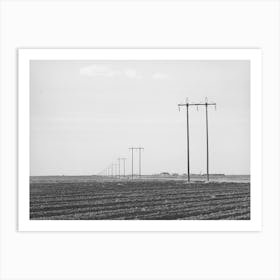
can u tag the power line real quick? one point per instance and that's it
(132, 149)
(140, 149)
(119, 162)
(123, 159)
(110, 170)
(187, 105)
(116, 169)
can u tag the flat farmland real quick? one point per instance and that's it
(147, 199)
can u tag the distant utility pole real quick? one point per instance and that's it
(132, 149)
(119, 161)
(206, 104)
(140, 149)
(109, 170)
(116, 169)
(123, 159)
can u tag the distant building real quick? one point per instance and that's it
(164, 174)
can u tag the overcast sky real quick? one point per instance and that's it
(86, 114)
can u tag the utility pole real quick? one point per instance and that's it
(119, 161)
(132, 149)
(139, 149)
(187, 104)
(123, 159)
(207, 137)
(116, 170)
(206, 104)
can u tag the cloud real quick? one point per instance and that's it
(108, 71)
(96, 70)
(99, 71)
(159, 76)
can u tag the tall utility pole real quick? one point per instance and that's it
(187, 104)
(206, 104)
(132, 149)
(207, 141)
(139, 149)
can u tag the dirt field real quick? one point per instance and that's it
(64, 199)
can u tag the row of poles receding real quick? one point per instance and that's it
(109, 171)
(114, 169)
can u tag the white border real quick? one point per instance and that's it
(253, 55)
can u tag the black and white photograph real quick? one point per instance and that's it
(140, 139)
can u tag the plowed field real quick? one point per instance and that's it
(139, 199)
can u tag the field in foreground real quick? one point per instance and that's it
(75, 199)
